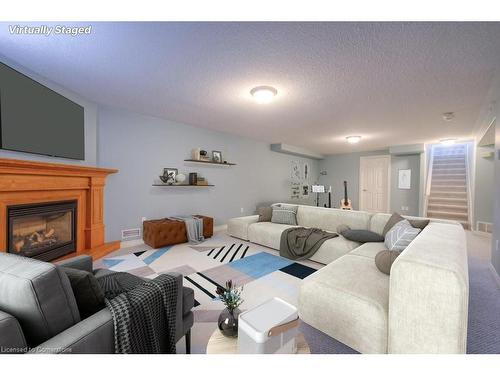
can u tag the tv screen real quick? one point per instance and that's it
(37, 120)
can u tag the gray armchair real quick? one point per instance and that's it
(38, 310)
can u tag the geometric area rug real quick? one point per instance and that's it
(260, 270)
(264, 274)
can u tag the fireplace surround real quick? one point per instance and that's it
(25, 183)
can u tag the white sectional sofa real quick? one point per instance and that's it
(422, 307)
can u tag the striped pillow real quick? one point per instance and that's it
(284, 214)
(400, 235)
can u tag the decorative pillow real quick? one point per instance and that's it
(400, 236)
(284, 214)
(396, 218)
(88, 293)
(420, 224)
(342, 227)
(265, 213)
(362, 235)
(384, 260)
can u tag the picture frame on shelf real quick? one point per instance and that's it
(169, 175)
(217, 156)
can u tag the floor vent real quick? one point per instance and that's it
(482, 226)
(131, 234)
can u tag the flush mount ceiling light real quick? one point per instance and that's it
(447, 142)
(448, 116)
(263, 94)
(353, 139)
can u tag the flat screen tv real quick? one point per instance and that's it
(36, 119)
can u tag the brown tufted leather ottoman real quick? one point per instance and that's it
(163, 232)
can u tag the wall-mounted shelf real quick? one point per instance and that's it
(182, 185)
(207, 162)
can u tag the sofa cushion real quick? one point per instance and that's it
(400, 236)
(381, 223)
(187, 300)
(88, 293)
(267, 234)
(333, 249)
(330, 218)
(284, 214)
(348, 299)
(11, 335)
(38, 294)
(369, 249)
(362, 235)
(265, 213)
(238, 226)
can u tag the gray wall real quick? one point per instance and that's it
(484, 186)
(90, 121)
(402, 197)
(141, 146)
(342, 167)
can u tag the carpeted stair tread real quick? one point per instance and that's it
(448, 200)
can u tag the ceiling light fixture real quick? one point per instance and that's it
(353, 139)
(263, 94)
(448, 116)
(447, 142)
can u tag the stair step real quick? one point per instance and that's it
(459, 170)
(446, 157)
(443, 207)
(445, 191)
(448, 215)
(448, 200)
(450, 176)
(446, 166)
(450, 183)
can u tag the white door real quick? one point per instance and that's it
(374, 185)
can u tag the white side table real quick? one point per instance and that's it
(220, 344)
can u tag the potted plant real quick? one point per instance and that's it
(228, 318)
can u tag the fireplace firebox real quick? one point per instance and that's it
(44, 231)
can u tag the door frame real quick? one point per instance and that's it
(388, 157)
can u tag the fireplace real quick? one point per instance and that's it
(44, 231)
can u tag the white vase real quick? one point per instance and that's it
(180, 178)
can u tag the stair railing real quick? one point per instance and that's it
(428, 181)
(468, 184)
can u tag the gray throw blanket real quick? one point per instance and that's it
(194, 228)
(302, 243)
(144, 316)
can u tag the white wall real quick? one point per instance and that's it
(141, 146)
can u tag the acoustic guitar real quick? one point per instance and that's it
(345, 203)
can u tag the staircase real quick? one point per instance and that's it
(448, 198)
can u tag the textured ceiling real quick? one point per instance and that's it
(388, 82)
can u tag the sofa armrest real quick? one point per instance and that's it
(12, 338)
(429, 293)
(81, 262)
(238, 226)
(90, 336)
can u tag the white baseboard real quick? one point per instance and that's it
(125, 244)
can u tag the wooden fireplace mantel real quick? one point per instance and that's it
(25, 182)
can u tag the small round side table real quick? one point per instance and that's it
(220, 344)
